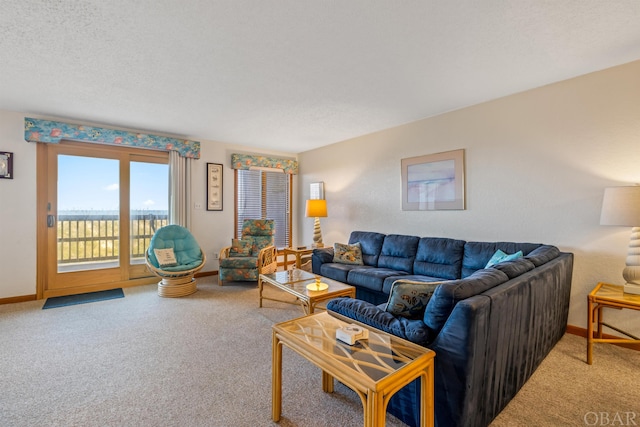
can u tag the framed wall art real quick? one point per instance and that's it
(214, 187)
(316, 190)
(6, 165)
(433, 182)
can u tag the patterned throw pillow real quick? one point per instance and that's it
(240, 248)
(166, 257)
(347, 254)
(409, 299)
(500, 256)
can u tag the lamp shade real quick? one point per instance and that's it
(316, 208)
(621, 206)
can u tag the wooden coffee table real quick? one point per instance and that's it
(374, 368)
(295, 283)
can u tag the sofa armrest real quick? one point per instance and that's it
(371, 315)
(320, 256)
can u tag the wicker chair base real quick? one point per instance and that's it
(172, 287)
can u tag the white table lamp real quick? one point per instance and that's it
(621, 206)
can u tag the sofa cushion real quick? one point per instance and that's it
(514, 268)
(409, 299)
(370, 277)
(370, 244)
(398, 252)
(369, 314)
(339, 272)
(447, 295)
(501, 256)
(477, 254)
(347, 254)
(542, 255)
(439, 257)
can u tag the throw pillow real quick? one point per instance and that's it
(347, 254)
(409, 299)
(240, 248)
(500, 256)
(166, 257)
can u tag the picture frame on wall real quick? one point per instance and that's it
(434, 182)
(6, 165)
(214, 187)
(316, 190)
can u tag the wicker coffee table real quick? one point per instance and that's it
(295, 283)
(374, 368)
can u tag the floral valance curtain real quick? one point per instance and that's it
(36, 130)
(245, 161)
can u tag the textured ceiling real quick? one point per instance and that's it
(292, 75)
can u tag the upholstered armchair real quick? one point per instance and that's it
(175, 256)
(251, 255)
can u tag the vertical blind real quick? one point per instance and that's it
(264, 195)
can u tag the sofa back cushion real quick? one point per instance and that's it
(542, 255)
(477, 254)
(439, 257)
(370, 244)
(398, 252)
(514, 268)
(447, 295)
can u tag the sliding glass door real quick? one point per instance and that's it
(100, 206)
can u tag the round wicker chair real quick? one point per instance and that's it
(176, 272)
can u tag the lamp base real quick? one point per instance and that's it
(632, 288)
(317, 245)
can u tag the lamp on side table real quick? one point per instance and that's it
(621, 206)
(316, 208)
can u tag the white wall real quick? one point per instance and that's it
(17, 211)
(212, 229)
(536, 167)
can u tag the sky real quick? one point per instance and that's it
(88, 183)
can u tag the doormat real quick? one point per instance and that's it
(83, 298)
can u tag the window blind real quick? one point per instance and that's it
(264, 195)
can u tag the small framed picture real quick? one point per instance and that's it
(6, 165)
(316, 190)
(214, 187)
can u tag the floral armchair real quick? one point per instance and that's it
(251, 255)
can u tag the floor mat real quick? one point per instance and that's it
(83, 298)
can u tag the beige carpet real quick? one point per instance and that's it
(205, 360)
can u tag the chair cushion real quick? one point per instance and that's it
(239, 262)
(370, 243)
(258, 227)
(184, 245)
(398, 252)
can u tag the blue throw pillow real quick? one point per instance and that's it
(500, 256)
(409, 299)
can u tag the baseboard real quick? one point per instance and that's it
(206, 273)
(582, 332)
(22, 298)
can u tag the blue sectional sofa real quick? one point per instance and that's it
(490, 327)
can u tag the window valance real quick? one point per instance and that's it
(36, 130)
(245, 161)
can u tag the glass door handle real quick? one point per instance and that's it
(51, 221)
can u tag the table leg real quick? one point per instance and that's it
(589, 331)
(286, 265)
(327, 382)
(427, 393)
(374, 415)
(260, 291)
(276, 379)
